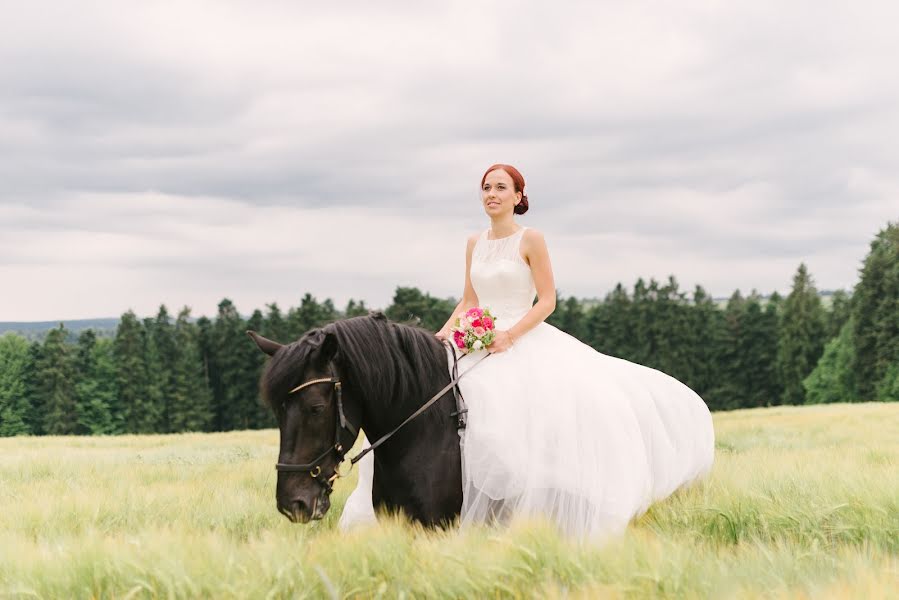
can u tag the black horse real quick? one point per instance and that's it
(365, 372)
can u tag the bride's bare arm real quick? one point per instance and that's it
(533, 246)
(469, 297)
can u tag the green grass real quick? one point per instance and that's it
(802, 502)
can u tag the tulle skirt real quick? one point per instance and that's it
(561, 431)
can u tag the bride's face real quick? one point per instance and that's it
(498, 194)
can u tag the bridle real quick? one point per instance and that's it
(314, 468)
(341, 422)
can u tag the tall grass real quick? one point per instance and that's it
(802, 502)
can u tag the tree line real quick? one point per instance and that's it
(168, 373)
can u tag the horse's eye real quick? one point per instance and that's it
(317, 409)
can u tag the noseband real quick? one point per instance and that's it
(314, 468)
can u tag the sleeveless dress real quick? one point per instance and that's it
(558, 430)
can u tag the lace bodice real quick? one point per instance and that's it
(502, 279)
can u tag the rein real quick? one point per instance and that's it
(314, 468)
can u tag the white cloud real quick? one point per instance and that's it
(156, 153)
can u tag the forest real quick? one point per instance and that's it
(173, 373)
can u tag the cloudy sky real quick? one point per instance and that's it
(182, 152)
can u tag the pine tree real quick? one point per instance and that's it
(840, 309)
(191, 406)
(156, 381)
(308, 315)
(802, 331)
(875, 311)
(274, 326)
(14, 402)
(708, 343)
(770, 386)
(213, 380)
(609, 324)
(641, 347)
(671, 325)
(731, 389)
(33, 394)
(95, 386)
(758, 346)
(56, 372)
(261, 416)
(235, 406)
(162, 371)
(356, 309)
(137, 413)
(569, 317)
(411, 305)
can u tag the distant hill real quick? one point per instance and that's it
(36, 330)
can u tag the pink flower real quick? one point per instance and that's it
(459, 338)
(479, 331)
(477, 323)
(488, 323)
(474, 312)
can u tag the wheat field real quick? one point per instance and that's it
(803, 502)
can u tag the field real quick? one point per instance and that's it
(802, 502)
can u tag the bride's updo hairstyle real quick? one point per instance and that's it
(517, 180)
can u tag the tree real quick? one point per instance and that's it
(759, 348)
(707, 342)
(95, 390)
(731, 389)
(274, 326)
(57, 377)
(840, 309)
(234, 358)
(609, 324)
(833, 379)
(641, 323)
(191, 405)
(569, 317)
(138, 414)
(308, 315)
(875, 314)
(888, 387)
(670, 328)
(33, 384)
(801, 340)
(15, 407)
(411, 305)
(357, 309)
(261, 416)
(162, 356)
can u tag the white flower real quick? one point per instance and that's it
(477, 345)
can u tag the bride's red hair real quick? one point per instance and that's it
(517, 180)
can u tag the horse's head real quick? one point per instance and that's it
(317, 423)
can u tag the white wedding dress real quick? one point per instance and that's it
(557, 429)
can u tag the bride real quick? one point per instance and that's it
(555, 429)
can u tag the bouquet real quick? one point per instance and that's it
(474, 330)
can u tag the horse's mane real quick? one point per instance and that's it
(392, 366)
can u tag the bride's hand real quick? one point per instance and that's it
(502, 342)
(443, 334)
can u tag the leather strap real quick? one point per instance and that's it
(423, 408)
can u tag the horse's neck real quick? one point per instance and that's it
(431, 429)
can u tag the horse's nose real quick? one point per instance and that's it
(296, 510)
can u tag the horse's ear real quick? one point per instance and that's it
(265, 344)
(328, 349)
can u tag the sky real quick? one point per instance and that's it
(181, 153)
